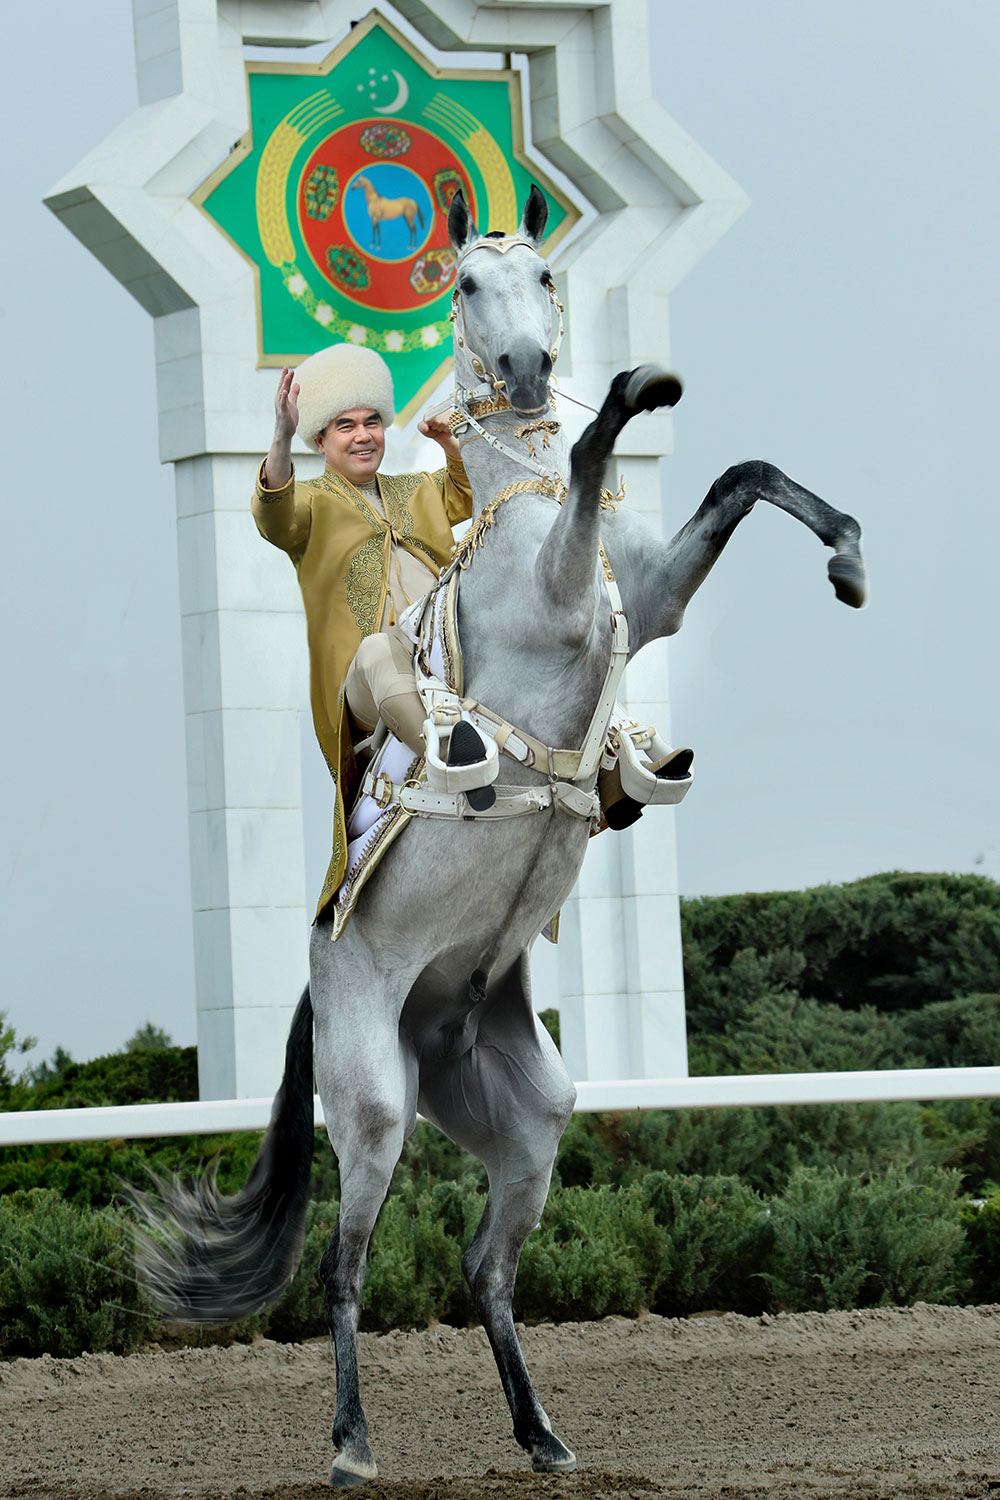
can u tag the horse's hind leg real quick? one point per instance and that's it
(507, 1101)
(367, 1082)
(342, 1272)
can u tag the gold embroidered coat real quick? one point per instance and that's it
(341, 549)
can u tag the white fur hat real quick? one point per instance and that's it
(341, 378)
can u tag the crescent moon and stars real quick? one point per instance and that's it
(372, 86)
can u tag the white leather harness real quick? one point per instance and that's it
(568, 771)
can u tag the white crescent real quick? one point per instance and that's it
(400, 99)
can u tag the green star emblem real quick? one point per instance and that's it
(338, 195)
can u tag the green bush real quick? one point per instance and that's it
(596, 1252)
(595, 1150)
(959, 1033)
(784, 1033)
(429, 1156)
(843, 1241)
(136, 1077)
(719, 1236)
(981, 1251)
(895, 941)
(67, 1279)
(415, 1270)
(763, 1146)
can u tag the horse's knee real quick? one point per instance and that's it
(752, 474)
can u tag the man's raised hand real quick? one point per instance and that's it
(439, 430)
(277, 469)
(286, 407)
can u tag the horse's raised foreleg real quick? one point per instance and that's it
(565, 566)
(690, 556)
(507, 1101)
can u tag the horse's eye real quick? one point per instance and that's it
(546, 278)
(467, 286)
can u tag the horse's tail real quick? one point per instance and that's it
(205, 1258)
(420, 216)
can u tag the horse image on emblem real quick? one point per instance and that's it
(380, 208)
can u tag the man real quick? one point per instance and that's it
(364, 546)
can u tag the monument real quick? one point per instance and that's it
(243, 205)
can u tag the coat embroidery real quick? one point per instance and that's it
(364, 585)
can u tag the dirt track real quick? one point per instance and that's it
(901, 1403)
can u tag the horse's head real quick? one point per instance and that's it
(506, 317)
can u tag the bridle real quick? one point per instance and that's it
(471, 403)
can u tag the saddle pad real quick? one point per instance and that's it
(372, 829)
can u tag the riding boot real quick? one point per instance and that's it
(466, 748)
(380, 685)
(459, 759)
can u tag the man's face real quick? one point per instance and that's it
(354, 444)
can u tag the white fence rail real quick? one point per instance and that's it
(214, 1116)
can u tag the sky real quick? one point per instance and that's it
(845, 329)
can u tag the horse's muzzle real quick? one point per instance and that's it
(525, 371)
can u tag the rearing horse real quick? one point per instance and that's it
(423, 1003)
(380, 208)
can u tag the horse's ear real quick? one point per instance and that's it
(536, 212)
(461, 229)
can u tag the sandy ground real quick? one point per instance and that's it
(900, 1402)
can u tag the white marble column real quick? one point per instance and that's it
(245, 674)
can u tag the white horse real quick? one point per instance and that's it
(423, 1003)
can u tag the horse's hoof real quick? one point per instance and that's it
(847, 574)
(651, 386)
(350, 1470)
(550, 1456)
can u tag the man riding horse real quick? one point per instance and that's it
(365, 545)
(424, 1001)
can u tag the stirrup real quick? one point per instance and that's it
(651, 781)
(445, 778)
